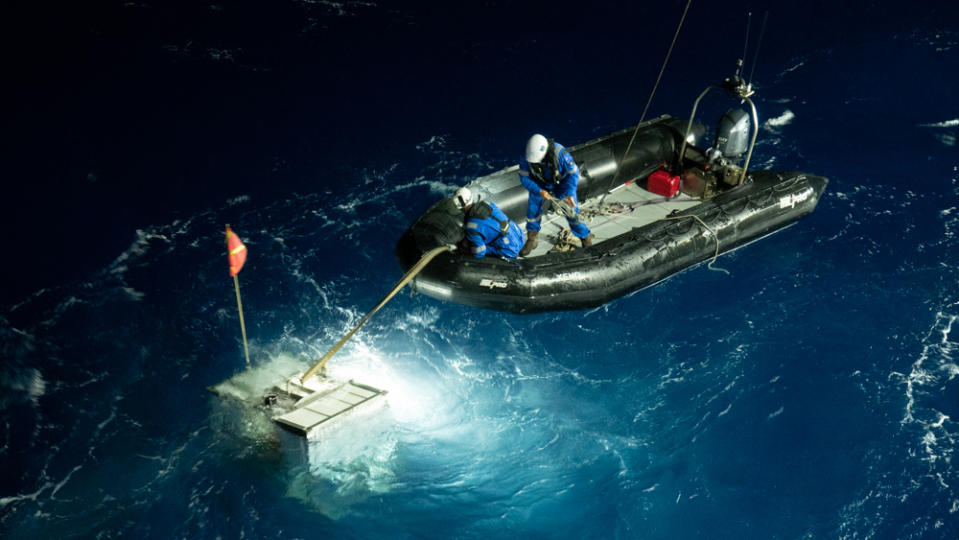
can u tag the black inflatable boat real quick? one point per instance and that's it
(657, 202)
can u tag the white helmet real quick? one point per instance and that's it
(536, 148)
(463, 198)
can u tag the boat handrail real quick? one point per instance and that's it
(741, 93)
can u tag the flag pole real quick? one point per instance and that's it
(239, 308)
(237, 256)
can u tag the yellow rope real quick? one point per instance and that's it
(410, 274)
(715, 237)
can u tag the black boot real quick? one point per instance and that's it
(532, 240)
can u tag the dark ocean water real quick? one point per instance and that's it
(811, 393)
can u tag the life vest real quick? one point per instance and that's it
(537, 171)
(483, 211)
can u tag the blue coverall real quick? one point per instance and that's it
(487, 236)
(569, 179)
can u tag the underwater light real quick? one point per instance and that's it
(407, 397)
(364, 382)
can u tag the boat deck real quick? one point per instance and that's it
(618, 212)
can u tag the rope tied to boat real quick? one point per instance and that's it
(410, 274)
(711, 231)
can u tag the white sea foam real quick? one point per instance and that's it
(226, 55)
(340, 9)
(434, 143)
(4, 501)
(141, 246)
(936, 436)
(919, 375)
(951, 369)
(944, 124)
(435, 187)
(133, 294)
(37, 387)
(63, 482)
(948, 139)
(794, 67)
(783, 119)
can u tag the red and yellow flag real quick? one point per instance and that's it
(236, 250)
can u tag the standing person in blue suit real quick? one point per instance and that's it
(489, 233)
(548, 171)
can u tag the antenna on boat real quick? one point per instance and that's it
(737, 88)
(759, 42)
(749, 21)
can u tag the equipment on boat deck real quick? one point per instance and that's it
(732, 137)
(657, 202)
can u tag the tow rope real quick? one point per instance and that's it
(416, 269)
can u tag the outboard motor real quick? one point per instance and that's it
(732, 136)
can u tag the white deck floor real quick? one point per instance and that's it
(609, 226)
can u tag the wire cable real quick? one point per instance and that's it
(653, 93)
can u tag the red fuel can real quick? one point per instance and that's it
(662, 183)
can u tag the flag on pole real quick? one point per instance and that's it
(236, 250)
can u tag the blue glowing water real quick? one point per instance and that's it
(811, 393)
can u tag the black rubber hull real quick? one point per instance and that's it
(590, 277)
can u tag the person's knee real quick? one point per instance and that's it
(534, 214)
(579, 230)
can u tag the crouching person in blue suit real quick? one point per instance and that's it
(489, 233)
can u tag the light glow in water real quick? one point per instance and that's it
(413, 397)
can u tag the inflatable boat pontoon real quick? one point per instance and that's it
(657, 202)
